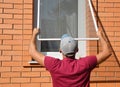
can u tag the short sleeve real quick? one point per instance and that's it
(91, 62)
(51, 63)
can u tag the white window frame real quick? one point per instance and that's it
(81, 24)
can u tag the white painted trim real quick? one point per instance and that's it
(38, 15)
(93, 16)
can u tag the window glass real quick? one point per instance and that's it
(57, 18)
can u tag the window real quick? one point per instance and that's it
(58, 17)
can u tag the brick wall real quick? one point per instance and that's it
(15, 33)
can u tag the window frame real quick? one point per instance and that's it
(58, 39)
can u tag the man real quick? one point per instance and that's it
(70, 72)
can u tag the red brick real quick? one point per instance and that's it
(117, 43)
(0, 63)
(22, 69)
(13, 1)
(6, 5)
(101, 9)
(106, 5)
(6, 16)
(25, 47)
(93, 85)
(40, 79)
(5, 25)
(12, 52)
(45, 74)
(28, 1)
(17, 58)
(3, 47)
(14, 11)
(10, 74)
(5, 58)
(38, 69)
(27, 58)
(26, 42)
(27, 37)
(112, 29)
(1, 10)
(27, 27)
(28, 21)
(27, 31)
(1, 21)
(5, 69)
(117, 34)
(118, 74)
(28, 6)
(20, 80)
(18, 6)
(12, 42)
(17, 37)
(18, 16)
(97, 78)
(9, 85)
(112, 1)
(109, 74)
(116, 5)
(30, 74)
(46, 85)
(28, 11)
(17, 26)
(6, 37)
(27, 16)
(105, 14)
(108, 24)
(12, 21)
(17, 48)
(100, 69)
(31, 85)
(117, 24)
(106, 85)
(118, 84)
(112, 10)
(110, 64)
(117, 15)
(25, 52)
(0, 41)
(4, 80)
(11, 64)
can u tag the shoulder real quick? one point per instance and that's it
(89, 61)
(51, 62)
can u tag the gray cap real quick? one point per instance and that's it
(68, 44)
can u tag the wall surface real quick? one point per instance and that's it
(15, 33)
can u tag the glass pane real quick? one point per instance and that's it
(57, 18)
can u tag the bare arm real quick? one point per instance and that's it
(106, 52)
(38, 56)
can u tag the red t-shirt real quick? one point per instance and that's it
(70, 72)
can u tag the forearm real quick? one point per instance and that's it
(105, 45)
(106, 51)
(35, 54)
(33, 43)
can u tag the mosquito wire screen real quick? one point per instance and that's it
(58, 17)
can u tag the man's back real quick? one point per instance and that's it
(70, 72)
